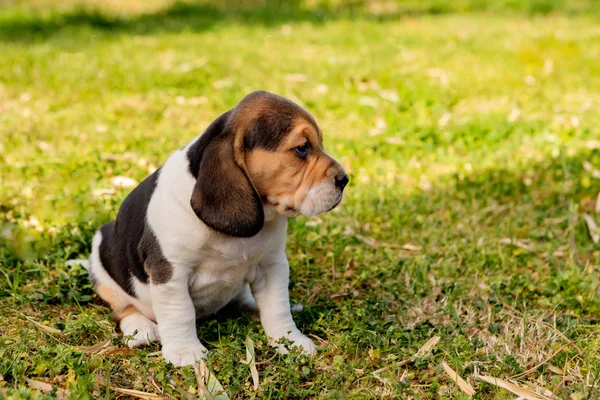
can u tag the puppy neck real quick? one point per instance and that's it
(270, 212)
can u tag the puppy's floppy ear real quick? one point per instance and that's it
(224, 198)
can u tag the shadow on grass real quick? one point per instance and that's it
(179, 17)
(22, 24)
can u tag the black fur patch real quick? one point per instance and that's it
(156, 264)
(223, 196)
(119, 250)
(275, 122)
(267, 132)
(196, 150)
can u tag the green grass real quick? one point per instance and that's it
(461, 125)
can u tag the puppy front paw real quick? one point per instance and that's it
(301, 341)
(139, 330)
(182, 355)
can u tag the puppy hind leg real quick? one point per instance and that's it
(137, 328)
(132, 322)
(247, 302)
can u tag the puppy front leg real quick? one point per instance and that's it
(176, 319)
(271, 293)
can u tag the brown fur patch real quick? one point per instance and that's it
(118, 305)
(127, 311)
(108, 295)
(282, 177)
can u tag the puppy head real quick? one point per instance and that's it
(267, 150)
(285, 157)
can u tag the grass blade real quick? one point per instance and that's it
(462, 384)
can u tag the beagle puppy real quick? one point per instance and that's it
(209, 227)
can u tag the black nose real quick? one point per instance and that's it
(341, 180)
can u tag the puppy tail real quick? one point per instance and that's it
(84, 263)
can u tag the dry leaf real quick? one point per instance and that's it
(251, 360)
(592, 227)
(514, 115)
(84, 263)
(213, 388)
(427, 347)
(42, 326)
(222, 83)
(410, 247)
(372, 242)
(296, 77)
(593, 144)
(556, 370)
(511, 387)
(440, 74)
(123, 182)
(516, 243)
(395, 141)
(464, 386)
(444, 119)
(46, 387)
(96, 348)
(598, 204)
(138, 393)
(589, 167)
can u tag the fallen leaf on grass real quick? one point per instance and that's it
(555, 369)
(427, 347)
(590, 168)
(592, 227)
(46, 387)
(422, 352)
(103, 347)
(296, 77)
(208, 383)
(462, 384)
(138, 393)
(42, 326)
(84, 263)
(251, 361)
(123, 182)
(187, 394)
(593, 144)
(410, 247)
(372, 242)
(511, 387)
(516, 243)
(103, 192)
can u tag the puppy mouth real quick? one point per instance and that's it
(337, 202)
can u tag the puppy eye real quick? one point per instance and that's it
(302, 151)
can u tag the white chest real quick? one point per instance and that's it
(222, 272)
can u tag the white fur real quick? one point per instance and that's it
(140, 329)
(209, 270)
(321, 198)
